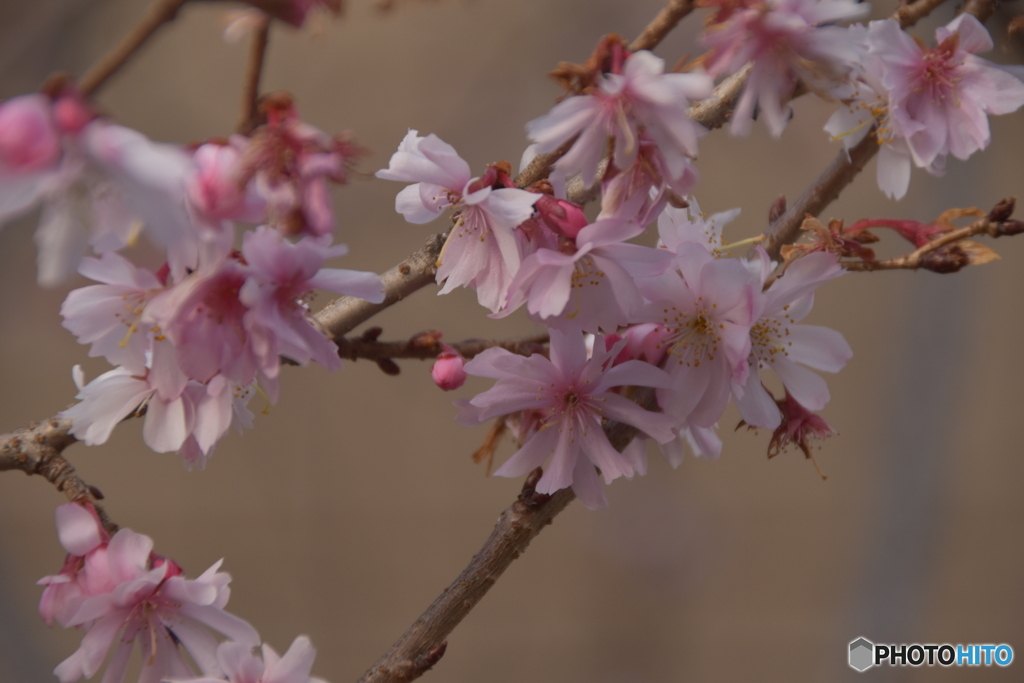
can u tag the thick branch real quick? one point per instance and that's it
(426, 347)
(825, 190)
(247, 120)
(517, 526)
(160, 12)
(37, 449)
(345, 313)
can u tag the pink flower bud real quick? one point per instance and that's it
(448, 372)
(561, 216)
(216, 187)
(28, 138)
(72, 113)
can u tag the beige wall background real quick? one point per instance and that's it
(354, 502)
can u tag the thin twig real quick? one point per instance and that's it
(160, 12)
(666, 20)
(918, 258)
(247, 120)
(37, 449)
(517, 526)
(427, 346)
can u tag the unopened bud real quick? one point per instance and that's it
(28, 138)
(561, 216)
(448, 370)
(1003, 210)
(948, 259)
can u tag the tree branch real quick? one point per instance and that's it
(345, 313)
(160, 12)
(37, 449)
(247, 120)
(662, 25)
(426, 346)
(517, 526)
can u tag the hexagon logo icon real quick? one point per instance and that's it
(862, 653)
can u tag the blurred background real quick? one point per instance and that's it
(353, 503)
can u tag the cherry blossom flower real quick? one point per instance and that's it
(216, 188)
(866, 104)
(798, 426)
(279, 276)
(641, 100)
(129, 593)
(240, 665)
(590, 283)
(482, 250)
(708, 306)
(779, 342)
(571, 395)
(786, 44)
(690, 225)
(641, 191)
(939, 98)
(108, 316)
(290, 162)
(80, 533)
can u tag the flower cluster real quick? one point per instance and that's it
(120, 592)
(683, 319)
(924, 103)
(191, 339)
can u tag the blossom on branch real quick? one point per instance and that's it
(126, 593)
(636, 101)
(787, 43)
(240, 665)
(927, 102)
(482, 250)
(569, 396)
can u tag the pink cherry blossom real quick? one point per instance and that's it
(786, 43)
(108, 316)
(940, 97)
(216, 188)
(707, 306)
(290, 162)
(866, 104)
(590, 282)
(571, 395)
(642, 99)
(280, 275)
(129, 593)
(80, 532)
(240, 665)
(779, 342)
(482, 250)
